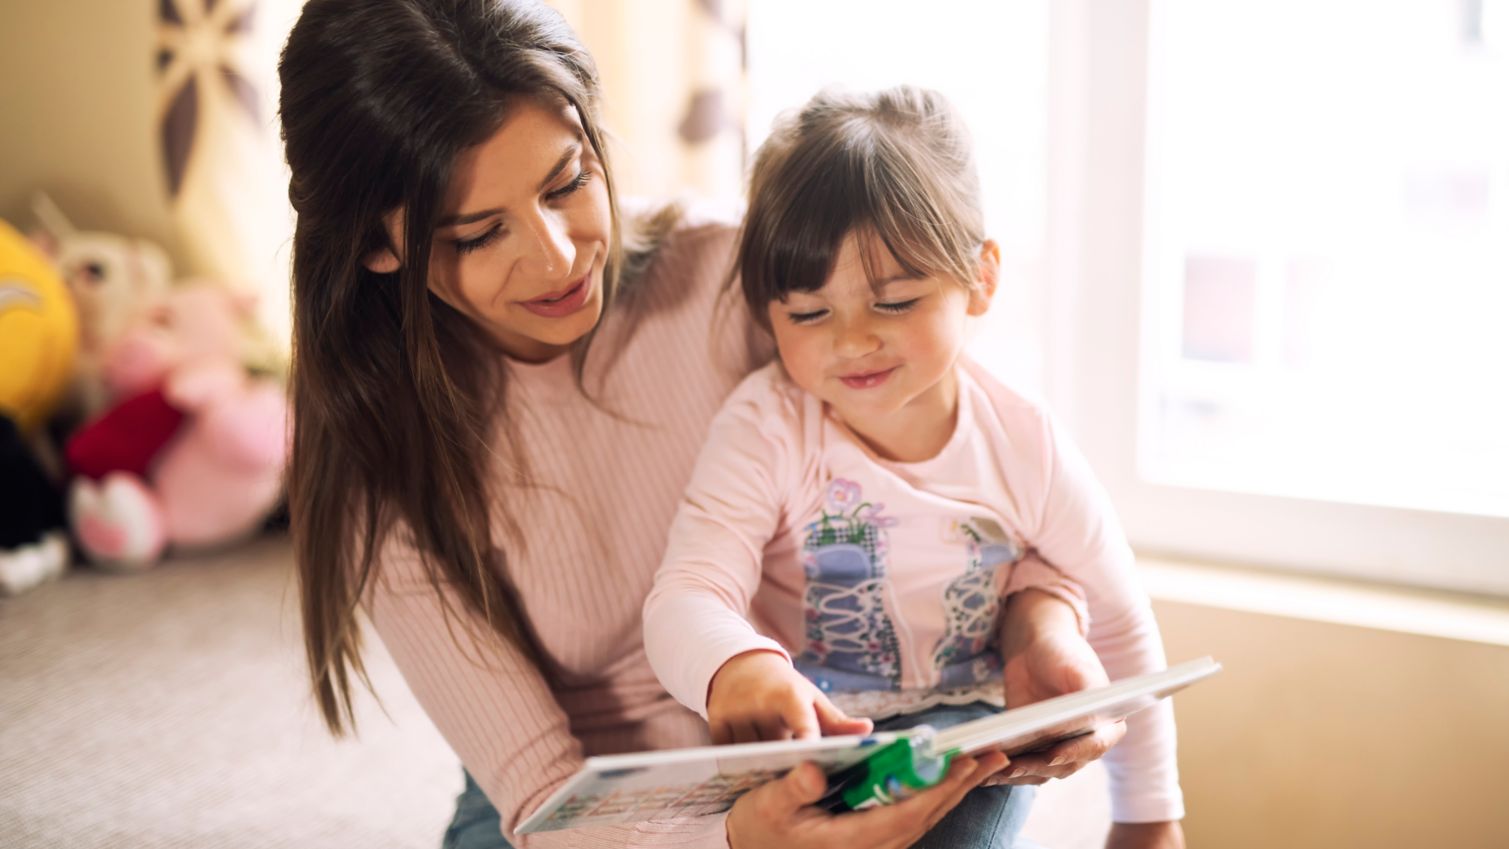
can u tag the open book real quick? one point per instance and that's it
(708, 779)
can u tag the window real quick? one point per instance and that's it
(1279, 253)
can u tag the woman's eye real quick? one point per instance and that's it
(806, 317)
(466, 246)
(570, 188)
(897, 307)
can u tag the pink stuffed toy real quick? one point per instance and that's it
(192, 453)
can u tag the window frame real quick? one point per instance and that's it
(1103, 159)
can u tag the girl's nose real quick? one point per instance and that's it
(855, 339)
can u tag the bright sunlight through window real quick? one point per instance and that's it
(1329, 252)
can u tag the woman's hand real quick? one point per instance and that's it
(779, 813)
(757, 695)
(1046, 656)
(1145, 835)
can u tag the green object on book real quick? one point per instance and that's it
(896, 771)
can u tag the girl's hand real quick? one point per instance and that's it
(778, 814)
(759, 696)
(1046, 656)
(1145, 835)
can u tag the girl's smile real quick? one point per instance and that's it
(867, 379)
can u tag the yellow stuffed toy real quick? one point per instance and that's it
(39, 332)
(38, 338)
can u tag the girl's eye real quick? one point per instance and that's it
(806, 317)
(570, 188)
(466, 246)
(897, 307)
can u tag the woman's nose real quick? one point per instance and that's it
(554, 252)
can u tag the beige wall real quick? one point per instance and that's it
(650, 55)
(80, 107)
(1324, 735)
(83, 103)
(80, 119)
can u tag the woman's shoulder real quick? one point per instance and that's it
(680, 244)
(682, 215)
(678, 282)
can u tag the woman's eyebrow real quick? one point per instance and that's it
(572, 150)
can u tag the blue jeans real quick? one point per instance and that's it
(988, 818)
(476, 824)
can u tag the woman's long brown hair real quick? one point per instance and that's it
(396, 396)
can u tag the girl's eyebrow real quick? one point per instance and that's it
(572, 150)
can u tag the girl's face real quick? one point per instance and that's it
(882, 356)
(524, 233)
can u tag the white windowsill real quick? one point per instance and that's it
(1413, 611)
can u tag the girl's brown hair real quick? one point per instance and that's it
(896, 165)
(395, 394)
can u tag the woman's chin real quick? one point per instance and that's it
(544, 339)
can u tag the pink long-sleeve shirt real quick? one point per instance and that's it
(880, 580)
(606, 478)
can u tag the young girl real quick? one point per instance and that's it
(869, 500)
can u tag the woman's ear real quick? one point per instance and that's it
(987, 276)
(381, 261)
(384, 260)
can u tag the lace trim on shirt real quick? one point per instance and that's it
(884, 704)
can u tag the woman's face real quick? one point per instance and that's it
(524, 231)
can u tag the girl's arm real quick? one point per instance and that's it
(1078, 531)
(697, 638)
(694, 617)
(1068, 519)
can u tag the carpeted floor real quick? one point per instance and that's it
(168, 709)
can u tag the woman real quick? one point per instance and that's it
(498, 398)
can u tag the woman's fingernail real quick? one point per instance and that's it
(1059, 761)
(1018, 772)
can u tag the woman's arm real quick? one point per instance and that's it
(1046, 656)
(497, 711)
(779, 814)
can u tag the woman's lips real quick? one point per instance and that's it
(867, 379)
(562, 303)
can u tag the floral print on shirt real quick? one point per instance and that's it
(851, 640)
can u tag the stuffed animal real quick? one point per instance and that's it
(38, 335)
(192, 453)
(111, 278)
